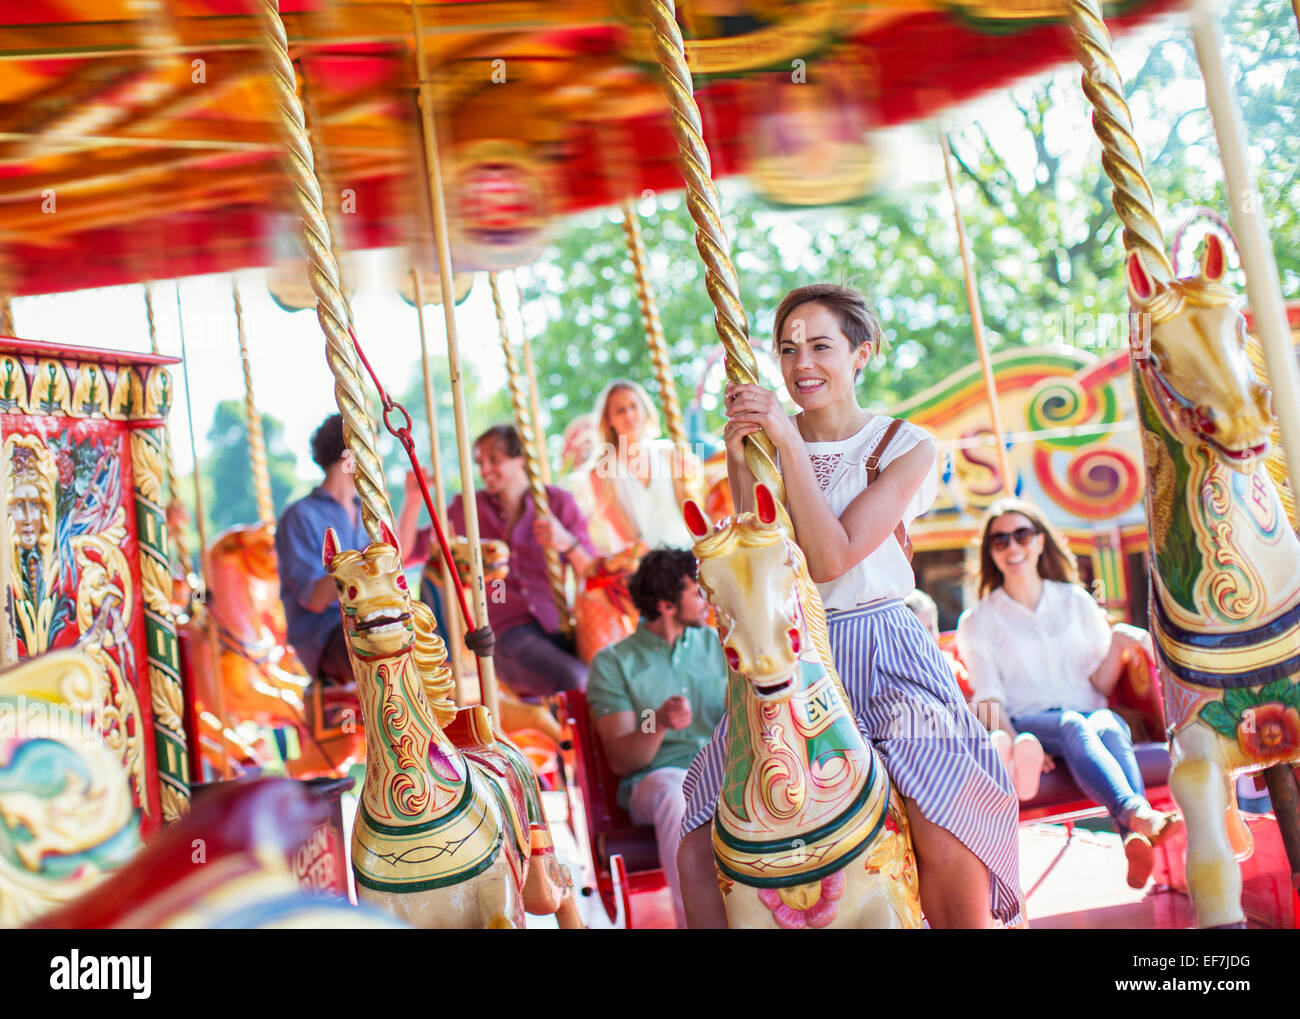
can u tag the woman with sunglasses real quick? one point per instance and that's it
(1043, 658)
(959, 800)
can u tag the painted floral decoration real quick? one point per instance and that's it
(1265, 722)
(810, 905)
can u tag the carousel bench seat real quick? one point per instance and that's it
(1058, 794)
(1137, 699)
(610, 830)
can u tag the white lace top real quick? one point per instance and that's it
(1035, 659)
(841, 471)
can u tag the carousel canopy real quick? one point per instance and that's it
(138, 139)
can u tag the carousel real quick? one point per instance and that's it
(150, 695)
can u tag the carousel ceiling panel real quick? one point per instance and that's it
(138, 137)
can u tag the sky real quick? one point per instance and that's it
(290, 377)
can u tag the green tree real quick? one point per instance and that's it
(228, 492)
(1045, 237)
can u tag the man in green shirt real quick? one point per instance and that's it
(657, 696)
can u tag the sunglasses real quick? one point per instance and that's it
(1000, 542)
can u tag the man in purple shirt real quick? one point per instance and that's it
(534, 658)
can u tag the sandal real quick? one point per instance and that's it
(1141, 859)
(1027, 767)
(1170, 824)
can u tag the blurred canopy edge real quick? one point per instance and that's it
(137, 141)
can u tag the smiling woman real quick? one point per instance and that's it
(851, 479)
(1042, 660)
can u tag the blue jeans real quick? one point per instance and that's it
(1098, 750)
(534, 663)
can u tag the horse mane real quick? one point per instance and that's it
(745, 530)
(430, 657)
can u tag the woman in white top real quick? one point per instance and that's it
(638, 481)
(1043, 659)
(959, 799)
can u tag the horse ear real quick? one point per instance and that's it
(331, 548)
(386, 533)
(696, 522)
(764, 503)
(1213, 262)
(1141, 287)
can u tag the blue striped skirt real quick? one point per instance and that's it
(935, 750)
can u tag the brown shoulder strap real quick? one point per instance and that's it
(872, 464)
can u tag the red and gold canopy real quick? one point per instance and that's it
(137, 138)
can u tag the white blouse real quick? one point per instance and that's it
(1033, 660)
(652, 506)
(842, 474)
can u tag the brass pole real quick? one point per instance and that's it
(253, 422)
(1120, 156)
(331, 307)
(324, 175)
(977, 323)
(451, 604)
(6, 316)
(169, 461)
(210, 630)
(1262, 286)
(534, 401)
(536, 490)
(654, 330)
(438, 212)
(710, 235)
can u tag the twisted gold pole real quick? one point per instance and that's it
(530, 372)
(331, 307)
(710, 236)
(323, 174)
(442, 245)
(6, 316)
(169, 463)
(1121, 158)
(654, 330)
(253, 421)
(451, 603)
(536, 490)
(977, 324)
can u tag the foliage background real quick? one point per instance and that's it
(1046, 244)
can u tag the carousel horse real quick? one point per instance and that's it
(262, 683)
(603, 611)
(809, 831)
(1226, 564)
(450, 830)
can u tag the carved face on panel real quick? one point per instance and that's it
(31, 480)
(27, 512)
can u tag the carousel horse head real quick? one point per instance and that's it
(250, 548)
(377, 617)
(1198, 363)
(752, 573)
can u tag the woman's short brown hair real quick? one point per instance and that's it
(1056, 563)
(857, 321)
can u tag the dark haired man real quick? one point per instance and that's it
(309, 595)
(657, 696)
(533, 656)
